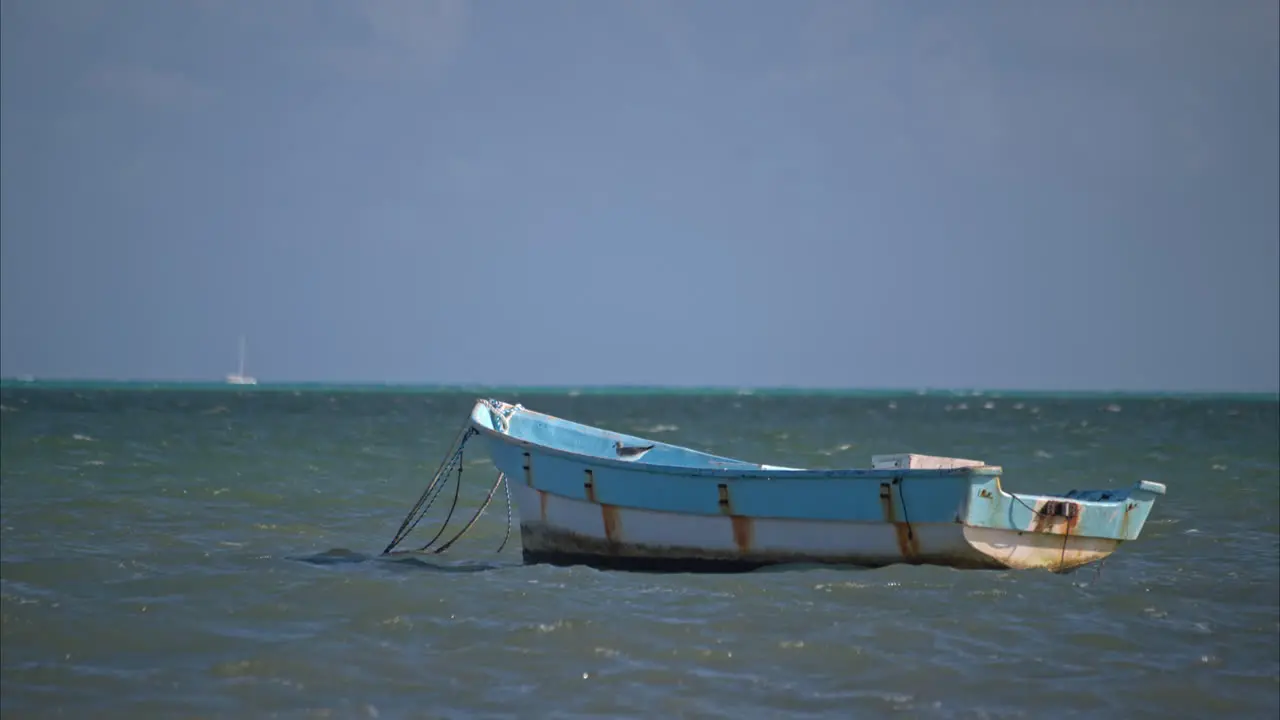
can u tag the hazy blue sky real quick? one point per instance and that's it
(1019, 194)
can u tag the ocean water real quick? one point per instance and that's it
(184, 553)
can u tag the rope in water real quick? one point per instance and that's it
(453, 461)
(472, 521)
(457, 492)
(429, 495)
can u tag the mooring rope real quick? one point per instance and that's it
(1066, 536)
(1062, 559)
(473, 519)
(428, 496)
(506, 486)
(454, 459)
(457, 492)
(1025, 505)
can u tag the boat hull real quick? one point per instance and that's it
(1025, 550)
(591, 497)
(565, 531)
(562, 531)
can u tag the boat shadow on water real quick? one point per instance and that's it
(410, 561)
(405, 561)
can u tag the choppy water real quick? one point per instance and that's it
(213, 554)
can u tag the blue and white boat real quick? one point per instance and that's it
(589, 496)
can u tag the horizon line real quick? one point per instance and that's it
(607, 388)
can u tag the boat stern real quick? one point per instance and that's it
(1056, 532)
(1134, 506)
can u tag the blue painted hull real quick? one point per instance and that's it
(590, 496)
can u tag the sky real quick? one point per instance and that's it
(1012, 194)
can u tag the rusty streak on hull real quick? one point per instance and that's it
(1124, 521)
(612, 525)
(553, 546)
(743, 532)
(1029, 550)
(908, 545)
(1055, 517)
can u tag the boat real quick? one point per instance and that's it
(589, 496)
(238, 377)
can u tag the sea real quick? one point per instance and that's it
(215, 552)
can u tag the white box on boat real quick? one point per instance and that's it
(912, 461)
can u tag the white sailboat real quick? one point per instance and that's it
(239, 378)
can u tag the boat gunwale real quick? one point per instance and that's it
(745, 473)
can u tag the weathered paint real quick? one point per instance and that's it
(679, 505)
(580, 532)
(908, 546)
(743, 531)
(611, 519)
(1107, 514)
(1023, 550)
